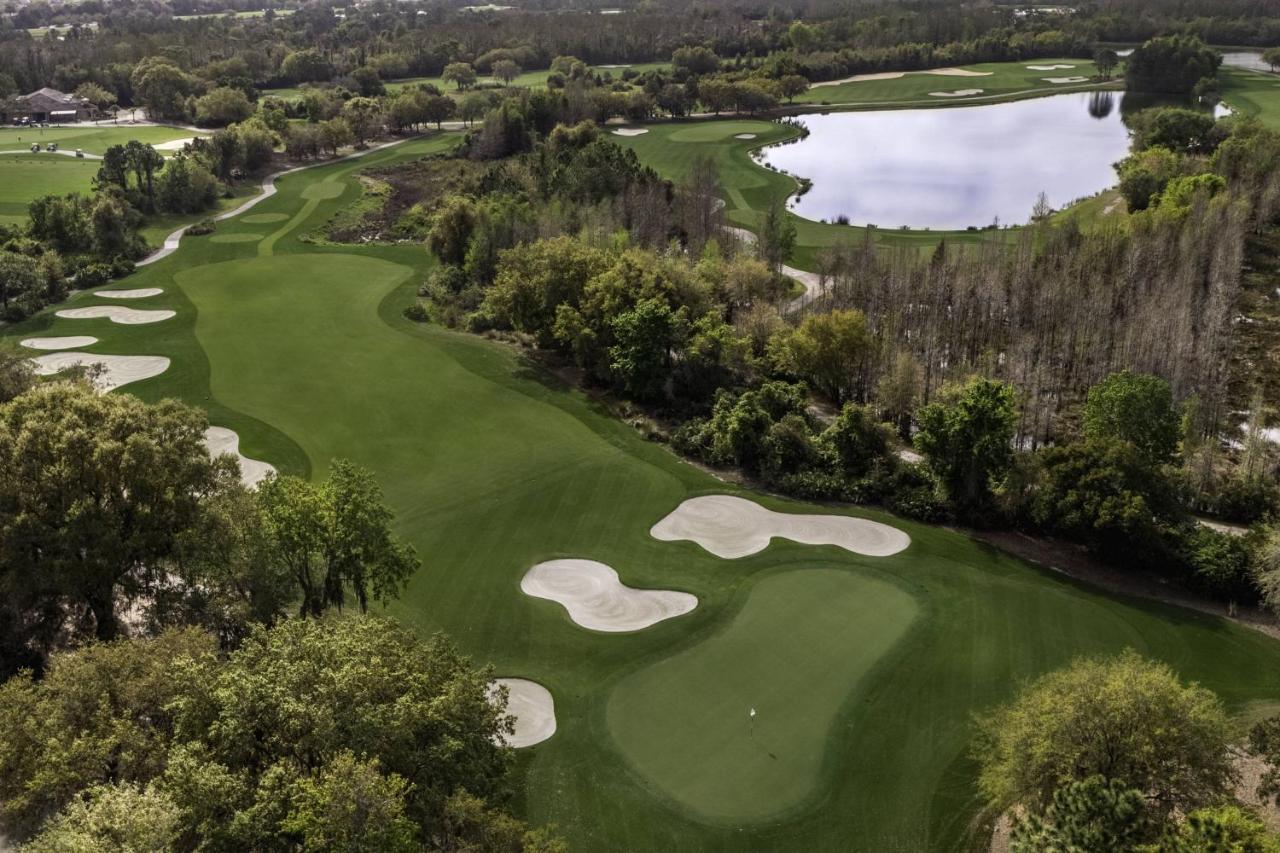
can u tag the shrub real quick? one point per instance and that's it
(204, 226)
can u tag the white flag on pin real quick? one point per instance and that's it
(753, 712)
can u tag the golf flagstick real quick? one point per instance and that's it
(752, 728)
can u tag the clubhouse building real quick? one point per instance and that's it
(47, 105)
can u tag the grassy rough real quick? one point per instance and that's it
(492, 466)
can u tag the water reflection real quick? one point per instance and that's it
(1101, 104)
(955, 167)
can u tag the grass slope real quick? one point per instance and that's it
(491, 466)
(1253, 93)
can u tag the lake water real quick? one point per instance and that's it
(954, 167)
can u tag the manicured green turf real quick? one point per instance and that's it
(789, 656)
(26, 177)
(998, 80)
(492, 466)
(1252, 93)
(94, 139)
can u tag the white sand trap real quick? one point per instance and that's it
(1065, 79)
(732, 527)
(630, 131)
(861, 78)
(64, 342)
(174, 144)
(958, 93)
(533, 708)
(894, 75)
(140, 293)
(116, 370)
(744, 136)
(117, 314)
(956, 72)
(221, 440)
(597, 599)
(1048, 67)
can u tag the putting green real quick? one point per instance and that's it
(794, 653)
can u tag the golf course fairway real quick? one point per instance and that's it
(865, 671)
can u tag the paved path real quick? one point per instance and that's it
(268, 189)
(71, 153)
(811, 281)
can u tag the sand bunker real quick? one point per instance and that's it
(1048, 67)
(114, 370)
(894, 75)
(64, 342)
(732, 527)
(221, 440)
(958, 93)
(744, 136)
(630, 131)
(597, 599)
(174, 144)
(116, 314)
(140, 293)
(1065, 79)
(533, 708)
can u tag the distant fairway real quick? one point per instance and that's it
(525, 80)
(1252, 93)
(26, 177)
(865, 671)
(998, 79)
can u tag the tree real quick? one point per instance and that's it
(364, 116)
(96, 95)
(967, 439)
(257, 142)
(858, 439)
(1180, 130)
(97, 533)
(99, 715)
(777, 238)
(792, 85)
(19, 284)
(645, 338)
(1137, 408)
(333, 537)
(1145, 174)
(222, 106)
(472, 106)
(368, 83)
(348, 734)
(829, 351)
(439, 108)
(460, 74)
(306, 66)
(1090, 814)
(1125, 719)
(451, 228)
(335, 133)
(1271, 56)
(696, 60)
(185, 186)
(1105, 60)
(1105, 493)
(716, 94)
(506, 71)
(161, 87)
(351, 805)
(113, 819)
(1173, 64)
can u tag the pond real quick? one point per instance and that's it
(955, 167)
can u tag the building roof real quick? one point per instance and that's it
(53, 95)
